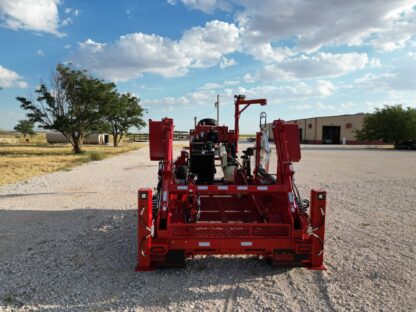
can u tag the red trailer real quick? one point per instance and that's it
(213, 200)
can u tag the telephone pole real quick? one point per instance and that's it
(217, 105)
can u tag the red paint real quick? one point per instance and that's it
(246, 217)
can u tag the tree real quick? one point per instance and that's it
(70, 105)
(25, 127)
(390, 124)
(120, 113)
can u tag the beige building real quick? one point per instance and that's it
(330, 129)
(94, 138)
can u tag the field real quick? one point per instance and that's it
(22, 160)
(68, 242)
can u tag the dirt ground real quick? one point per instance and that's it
(68, 243)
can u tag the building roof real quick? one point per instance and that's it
(331, 116)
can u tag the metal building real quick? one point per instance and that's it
(330, 129)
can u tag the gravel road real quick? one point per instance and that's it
(68, 243)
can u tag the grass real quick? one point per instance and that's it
(245, 136)
(24, 160)
(95, 156)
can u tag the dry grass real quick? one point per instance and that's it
(22, 161)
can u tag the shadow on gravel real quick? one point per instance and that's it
(355, 149)
(83, 260)
(44, 194)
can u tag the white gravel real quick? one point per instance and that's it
(68, 243)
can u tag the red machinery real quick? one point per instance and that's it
(199, 210)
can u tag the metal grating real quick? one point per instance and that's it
(271, 230)
(228, 230)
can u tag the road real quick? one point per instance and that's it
(68, 243)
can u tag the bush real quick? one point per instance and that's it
(95, 156)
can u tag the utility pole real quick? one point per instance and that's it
(217, 105)
(195, 122)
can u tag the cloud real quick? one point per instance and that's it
(385, 25)
(323, 65)
(224, 63)
(285, 36)
(211, 86)
(318, 65)
(296, 90)
(231, 82)
(134, 54)
(249, 78)
(11, 79)
(400, 76)
(293, 91)
(325, 107)
(375, 63)
(39, 16)
(40, 53)
(207, 6)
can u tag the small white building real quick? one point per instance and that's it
(54, 137)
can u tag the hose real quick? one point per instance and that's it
(150, 230)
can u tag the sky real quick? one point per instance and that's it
(307, 57)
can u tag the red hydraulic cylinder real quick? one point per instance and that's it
(318, 214)
(144, 229)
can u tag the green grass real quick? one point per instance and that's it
(95, 156)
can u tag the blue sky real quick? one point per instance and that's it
(308, 58)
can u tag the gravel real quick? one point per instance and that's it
(68, 243)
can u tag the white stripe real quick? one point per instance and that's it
(242, 188)
(246, 244)
(262, 188)
(222, 187)
(182, 187)
(204, 244)
(165, 195)
(290, 194)
(202, 187)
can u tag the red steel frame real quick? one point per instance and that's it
(248, 217)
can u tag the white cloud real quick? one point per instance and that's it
(296, 90)
(249, 78)
(201, 101)
(375, 63)
(384, 25)
(39, 16)
(326, 88)
(11, 79)
(66, 21)
(324, 65)
(400, 76)
(301, 107)
(211, 86)
(325, 107)
(231, 82)
(348, 105)
(313, 24)
(318, 65)
(40, 53)
(207, 6)
(138, 53)
(225, 62)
